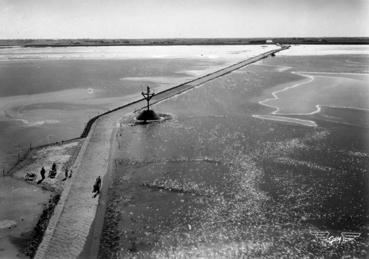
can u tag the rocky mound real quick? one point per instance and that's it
(148, 115)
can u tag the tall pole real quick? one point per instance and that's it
(147, 97)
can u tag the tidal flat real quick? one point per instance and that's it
(49, 94)
(214, 181)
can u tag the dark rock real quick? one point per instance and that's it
(147, 115)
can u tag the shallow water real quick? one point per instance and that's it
(326, 50)
(227, 177)
(327, 80)
(337, 91)
(48, 94)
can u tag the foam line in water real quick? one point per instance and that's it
(308, 80)
(308, 123)
(346, 107)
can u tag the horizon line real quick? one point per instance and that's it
(199, 38)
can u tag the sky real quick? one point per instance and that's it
(21, 19)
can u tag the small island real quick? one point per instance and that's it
(147, 114)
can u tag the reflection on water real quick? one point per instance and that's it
(268, 182)
(324, 50)
(131, 52)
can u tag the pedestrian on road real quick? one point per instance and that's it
(53, 167)
(42, 173)
(97, 186)
(65, 174)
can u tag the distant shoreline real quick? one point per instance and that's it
(180, 42)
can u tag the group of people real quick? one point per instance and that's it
(52, 173)
(68, 174)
